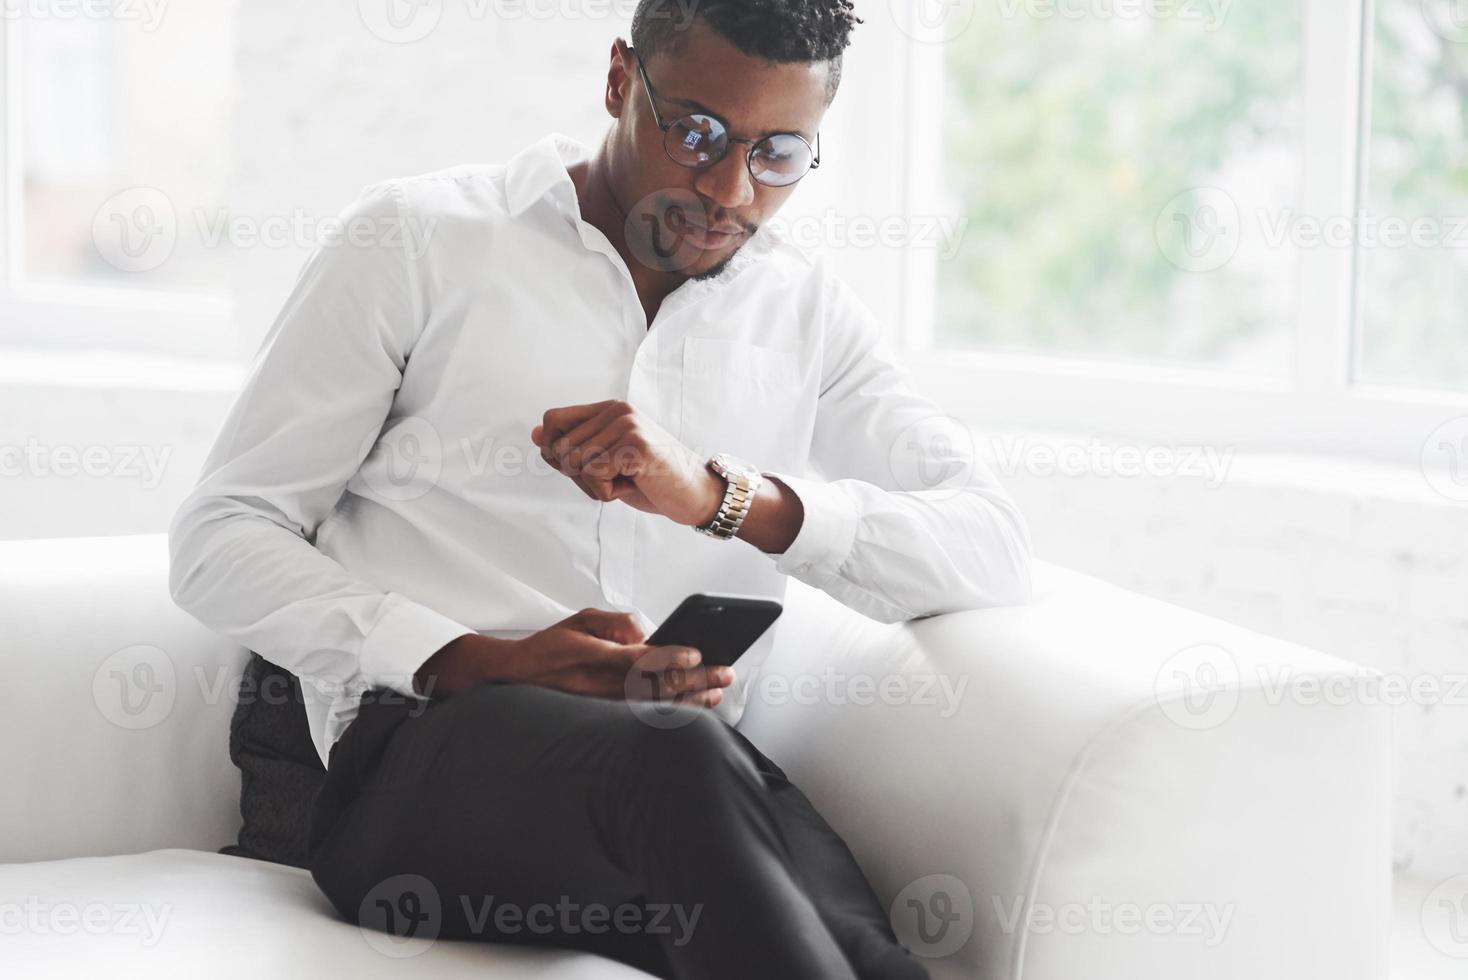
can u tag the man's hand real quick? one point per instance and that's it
(613, 452)
(594, 652)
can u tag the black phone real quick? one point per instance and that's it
(722, 627)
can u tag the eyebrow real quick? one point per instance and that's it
(700, 107)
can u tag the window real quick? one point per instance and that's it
(1414, 248)
(1105, 163)
(1242, 222)
(112, 161)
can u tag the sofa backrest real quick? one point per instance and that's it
(115, 705)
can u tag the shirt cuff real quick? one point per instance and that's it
(826, 536)
(402, 641)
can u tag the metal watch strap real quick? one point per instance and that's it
(739, 494)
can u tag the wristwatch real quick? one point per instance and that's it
(743, 481)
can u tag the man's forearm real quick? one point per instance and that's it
(460, 664)
(774, 517)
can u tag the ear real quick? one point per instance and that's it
(618, 80)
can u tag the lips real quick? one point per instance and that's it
(701, 235)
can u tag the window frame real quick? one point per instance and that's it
(1319, 406)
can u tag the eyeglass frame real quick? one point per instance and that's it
(815, 161)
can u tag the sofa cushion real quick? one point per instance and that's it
(184, 913)
(280, 772)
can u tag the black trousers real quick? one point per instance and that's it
(519, 814)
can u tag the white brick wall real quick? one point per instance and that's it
(1367, 564)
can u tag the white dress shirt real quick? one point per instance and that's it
(374, 492)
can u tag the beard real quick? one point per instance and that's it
(718, 267)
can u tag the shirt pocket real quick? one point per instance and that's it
(747, 400)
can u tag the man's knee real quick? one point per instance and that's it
(683, 745)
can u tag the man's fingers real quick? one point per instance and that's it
(680, 680)
(675, 683)
(608, 624)
(706, 699)
(585, 430)
(663, 657)
(605, 443)
(558, 421)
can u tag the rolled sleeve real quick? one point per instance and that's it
(826, 536)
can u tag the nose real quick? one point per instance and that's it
(728, 182)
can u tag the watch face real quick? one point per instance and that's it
(733, 464)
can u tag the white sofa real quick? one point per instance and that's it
(1073, 771)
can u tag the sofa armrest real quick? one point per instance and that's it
(117, 705)
(1095, 785)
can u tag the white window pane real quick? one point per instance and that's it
(124, 145)
(1414, 238)
(1124, 177)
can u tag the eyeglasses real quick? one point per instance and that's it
(699, 140)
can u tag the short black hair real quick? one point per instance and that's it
(782, 31)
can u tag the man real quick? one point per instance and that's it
(450, 445)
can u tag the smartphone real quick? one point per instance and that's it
(721, 627)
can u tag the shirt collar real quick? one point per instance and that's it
(540, 170)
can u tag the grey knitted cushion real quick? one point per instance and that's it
(280, 771)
